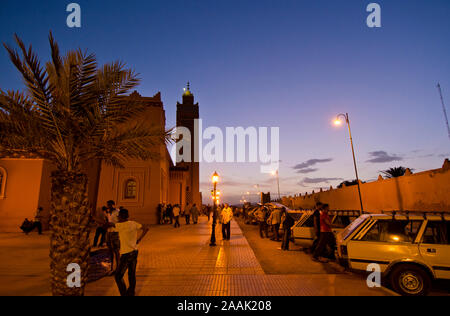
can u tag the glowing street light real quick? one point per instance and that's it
(215, 180)
(338, 122)
(276, 173)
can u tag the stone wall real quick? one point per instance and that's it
(425, 191)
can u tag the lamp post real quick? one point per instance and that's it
(276, 173)
(338, 122)
(215, 180)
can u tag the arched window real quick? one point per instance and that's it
(3, 176)
(130, 189)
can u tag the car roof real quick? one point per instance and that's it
(414, 216)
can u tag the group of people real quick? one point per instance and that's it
(122, 237)
(170, 214)
(271, 220)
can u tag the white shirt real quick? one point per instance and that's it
(128, 233)
(227, 215)
(113, 218)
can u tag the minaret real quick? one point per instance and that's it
(187, 113)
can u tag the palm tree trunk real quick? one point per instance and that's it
(69, 224)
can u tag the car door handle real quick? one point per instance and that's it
(430, 250)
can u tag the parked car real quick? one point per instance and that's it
(303, 230)
(412, 250)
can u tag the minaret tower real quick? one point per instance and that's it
(187, 114)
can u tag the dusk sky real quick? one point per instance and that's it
(288, 64)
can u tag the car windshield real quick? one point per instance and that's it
(351, 228)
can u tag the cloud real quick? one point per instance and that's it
(311, 163)
(307, 170)
(318, 180)
(382, 156)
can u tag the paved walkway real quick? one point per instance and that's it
(179, 262)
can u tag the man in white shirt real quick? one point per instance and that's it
(226, 216)
(128, 234)
(176, 215)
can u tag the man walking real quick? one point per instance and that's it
(316, 217)
(112, 236)
(128, 234)
(226, 216)
(276, 222)
(327, 238)
(176, 215)
(195, 213)
(101, 229)
(261, 216)
(187, 214)
(287, 225)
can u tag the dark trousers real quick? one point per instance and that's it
(315, 242)
(263, 229)
(113, 243)
(177, 221)
(226, 231)
(327, 239)
(188, 219)
(286, 239)
(38, 225)
(276, 232)
(100, 232)
(128, 262)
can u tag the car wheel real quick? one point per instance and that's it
(410, 280)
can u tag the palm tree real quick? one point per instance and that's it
(73, 112)
(394, 172)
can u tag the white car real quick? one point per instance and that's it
(411, 250)
(303, 230)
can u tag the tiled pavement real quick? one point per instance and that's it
(180, 262)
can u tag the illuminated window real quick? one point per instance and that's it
(130, 189)
(3, 176)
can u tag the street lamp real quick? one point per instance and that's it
(338, 122)
(276, 173)
(215, 180)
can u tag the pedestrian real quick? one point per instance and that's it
(261, 216)
(316, 219)
(276, 222)
(168, 216)
(160, 212)
(226, 216)
(187, 214)
(209, 211)
(112, 236)
(128, 235)
(287, 226)
(195, 213)
(37, 220)
(327, 239)
(102, 228)
(176, 215)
